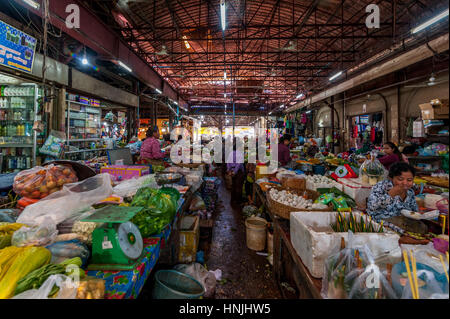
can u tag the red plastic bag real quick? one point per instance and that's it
(39, 182)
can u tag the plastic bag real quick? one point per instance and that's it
(41, 235)
(6, 218)
(162, 202)
(67, 203)
(130, 187)
(430, 282)
(68, 249)
(372, 171)
(6, 232)
(337, 266)
(67, 289)
(203, 276)
(11, 213)
(54, 145)
(91, 288)
(39, 182)
(197, 203)
(369, 282)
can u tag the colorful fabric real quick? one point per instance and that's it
(128, 284)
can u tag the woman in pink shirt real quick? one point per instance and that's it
(151, 148)
(392, 156)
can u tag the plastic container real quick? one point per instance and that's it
(172, 284)
(319, 169)
(256, 233)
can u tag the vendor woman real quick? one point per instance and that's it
(151, 148)
(390, 196)
(392, 155)
(284, 152)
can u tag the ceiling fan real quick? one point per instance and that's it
(292, 47)
(431, 82)
(163, 51)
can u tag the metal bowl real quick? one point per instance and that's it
(168, 178)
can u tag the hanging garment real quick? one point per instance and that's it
(355, 131)
(304, 118)
(372, 134)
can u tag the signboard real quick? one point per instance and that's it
(17, 49)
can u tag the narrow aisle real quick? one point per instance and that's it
(245, 275)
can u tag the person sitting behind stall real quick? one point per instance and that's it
(392, 156)
(151, 148)
(389, 197)
(284, 153)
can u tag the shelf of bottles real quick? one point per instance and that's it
(17, 137)
(83, 124)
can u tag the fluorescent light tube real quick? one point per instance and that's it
(158, 91)
(282, 106)
(336, 76)
(430, 22)
(300, 96)
(225, 75)
(84, 61)
(223, 14)
(32, 3)
(126, 67)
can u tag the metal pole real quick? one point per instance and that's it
(234, 110)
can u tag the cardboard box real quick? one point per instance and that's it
(189, 239)
(435, 112)
(124, 172)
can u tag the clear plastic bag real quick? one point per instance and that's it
(203, 276)
(129, 187)
(54, 145)
(372, 171)
(67, 289)
(70, 201)
(40, 182)
(369, 282)
(68, 249)
(197, 203)
(41, 235)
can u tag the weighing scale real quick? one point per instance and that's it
(118, 245)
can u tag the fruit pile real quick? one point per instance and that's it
(39, 182)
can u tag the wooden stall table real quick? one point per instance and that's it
(287, 265)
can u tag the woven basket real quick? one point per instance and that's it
(285, 211)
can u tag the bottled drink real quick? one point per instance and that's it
(28, 162)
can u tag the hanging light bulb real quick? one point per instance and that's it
(85, 60)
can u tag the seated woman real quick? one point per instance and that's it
(392, 156)
(390, 196)
(151, 148)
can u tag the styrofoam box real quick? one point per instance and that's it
(314, 186)
(314, 240)
(356, 189)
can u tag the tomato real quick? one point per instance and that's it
(35, 194)
(53, 190)
(67, 172)
(43, 195)
(29, 189)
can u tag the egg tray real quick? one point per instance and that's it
(284, 211)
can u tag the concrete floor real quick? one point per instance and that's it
(245, 275)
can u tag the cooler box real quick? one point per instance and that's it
(124, 172)
(356, 189)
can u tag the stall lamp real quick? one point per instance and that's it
(307, 112)
(158, 91)
(336, 76)
(126, 67)
(223, 14)
(32, 3)
(301, 95)
(430, 22)
(225, 75)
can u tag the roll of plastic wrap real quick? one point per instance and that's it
(431, 200)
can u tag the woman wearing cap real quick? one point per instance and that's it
(151, 148)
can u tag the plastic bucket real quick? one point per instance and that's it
(172, 284)
(256, 233)
(319, 170)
